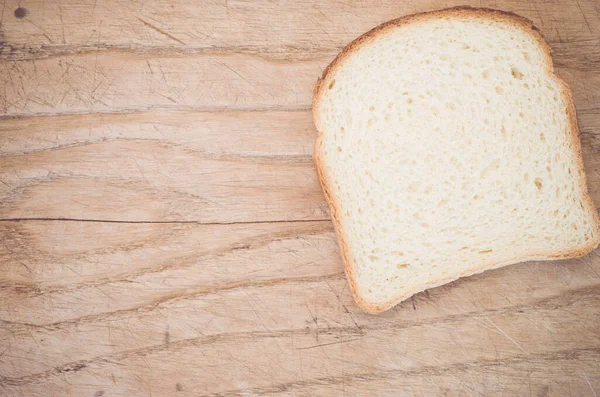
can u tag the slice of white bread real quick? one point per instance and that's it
(447, 146)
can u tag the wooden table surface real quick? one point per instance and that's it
(163, 233)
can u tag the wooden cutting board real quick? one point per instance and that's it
(163, 233)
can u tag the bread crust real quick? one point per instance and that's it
(463, 12)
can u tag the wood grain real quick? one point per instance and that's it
(72, 26)
(118, 82)
(330, 353)
(315, 295)
(200, 167)
(163, 233)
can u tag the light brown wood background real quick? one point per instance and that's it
(162, 231)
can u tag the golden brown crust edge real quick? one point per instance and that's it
(464, 12)
(460, 11)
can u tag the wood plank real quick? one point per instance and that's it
(125, 82)
(117, 82)
(219, 167)
(217, 135)
(240, 362)
(113, 288)
(574, 373)
(51, 270)
(72, 26)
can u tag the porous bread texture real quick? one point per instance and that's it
(446, 147)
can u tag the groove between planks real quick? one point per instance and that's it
(173, 109)
(285, 52)
(168, 222)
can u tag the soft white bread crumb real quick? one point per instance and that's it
(447, 147)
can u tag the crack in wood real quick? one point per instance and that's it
(175, 108)
(283, 52)
(167, 222)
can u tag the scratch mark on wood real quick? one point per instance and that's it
(42, 30)
(232, 69)
(328, 344)
(508, 337)
(344, 306)
(164, 33)
(589, 383)
(583, 15)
